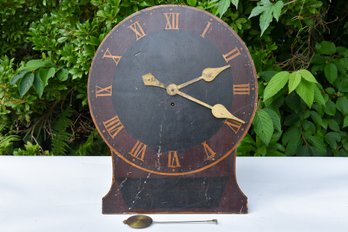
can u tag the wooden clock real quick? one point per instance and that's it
(172, 90)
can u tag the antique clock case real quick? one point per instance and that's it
(172, 90)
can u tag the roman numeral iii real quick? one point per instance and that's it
(241, 89)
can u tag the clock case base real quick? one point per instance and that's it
(214, 190)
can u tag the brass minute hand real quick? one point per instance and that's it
(218, 110)
(208, 75)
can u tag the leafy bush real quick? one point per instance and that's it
(299, 48)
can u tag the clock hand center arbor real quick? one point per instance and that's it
(172, 89)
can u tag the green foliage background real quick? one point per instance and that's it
(300, 49)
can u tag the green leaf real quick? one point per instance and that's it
(326, 48)
(62, 39)
(294, 81)
(342, 105)
(263, 126)
(248, 140)
(316, 118)
(307, 75)
(330, 71)
(61, 135)
(32, 65)
(17, 77)
(275, 118)
(333, 125)
(46, 74)
(43, 75)
(318, 96)
(26, 83)
(265, 20)
(330, 90)
(268, 11)
(345, 143)
(192, 2)
(318, 143)
(309, 126)
(306, 91)
(235, 3)
(277, 82)
(345, 122)
(38, 85)
(292, 140)
(257, 10)
(330, 108)
(63, 74)
(277, 8)
(261, 150)
(223, 5)
(325, 124)
(332, 138)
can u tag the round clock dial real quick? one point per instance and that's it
(172, 90)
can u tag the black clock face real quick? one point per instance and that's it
(172, 90)
(162, 121)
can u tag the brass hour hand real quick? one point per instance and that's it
(208, 75)
(150, 80)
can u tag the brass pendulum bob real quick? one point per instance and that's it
(143, 221)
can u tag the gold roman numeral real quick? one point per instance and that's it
(209, 151)
(172, 21)
(113, 126)
(241, 89)
(138, 151)
(108, 55)
(138, 30)
(231, 54)
(234, 125)
(206, 29)
(173, 159)
(103, 92)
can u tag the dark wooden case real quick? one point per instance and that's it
(214, 190)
